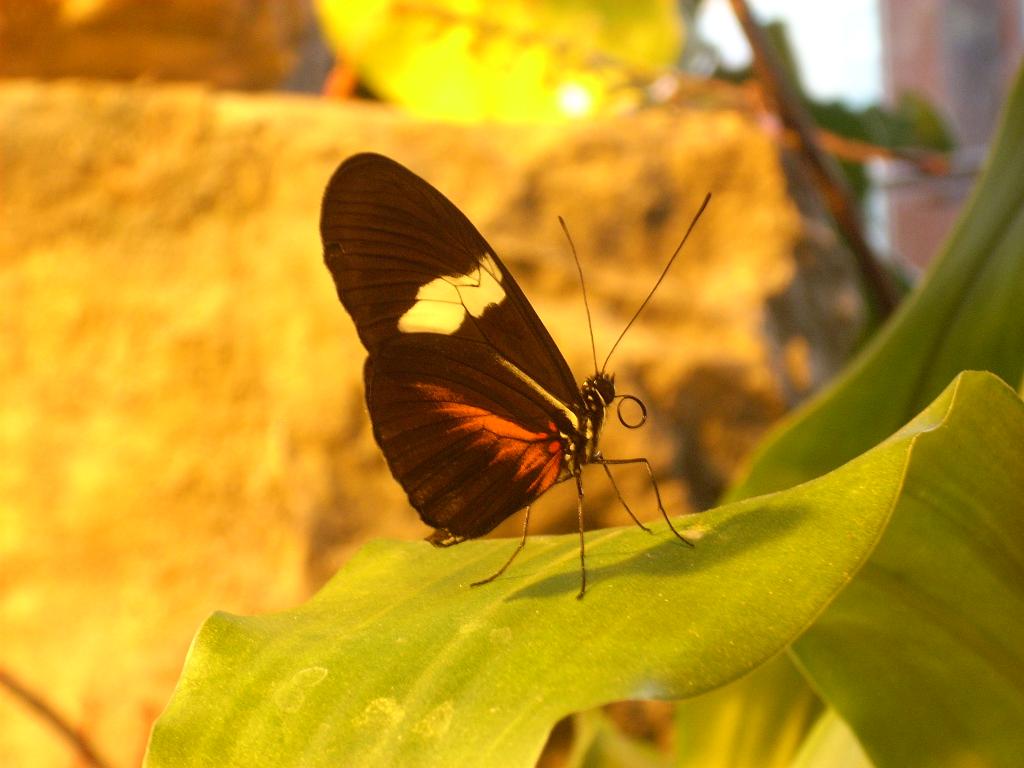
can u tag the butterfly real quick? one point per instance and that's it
(474, 407)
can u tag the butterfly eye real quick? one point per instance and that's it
(634, 423)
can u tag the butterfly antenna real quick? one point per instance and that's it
(583, 285)
(707, 199)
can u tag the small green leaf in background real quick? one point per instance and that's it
(398, 662)
(514, 60)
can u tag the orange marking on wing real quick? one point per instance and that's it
(540, 456)
(509, 429)
(445, 401)
(547, 478)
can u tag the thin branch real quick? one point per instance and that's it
(857, 151)
(826, 174)
(34, 702)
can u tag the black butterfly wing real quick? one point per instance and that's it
(405, 260)
(467, 392)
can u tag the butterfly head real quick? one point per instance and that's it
(598, 391)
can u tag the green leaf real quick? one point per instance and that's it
(965, 315)
(398, 662)
(923, 654)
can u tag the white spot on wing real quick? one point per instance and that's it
(442, 304)
(437, 310)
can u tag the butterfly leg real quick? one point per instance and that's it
(522, 543)
(622, 501)
(579, 515)
(657, 493)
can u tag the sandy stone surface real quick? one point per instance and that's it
(181, 416)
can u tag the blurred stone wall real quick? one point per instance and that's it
(228, 43)
(181, 409)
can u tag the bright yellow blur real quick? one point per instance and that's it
(470, 60)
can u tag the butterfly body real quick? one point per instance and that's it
(473, 406)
